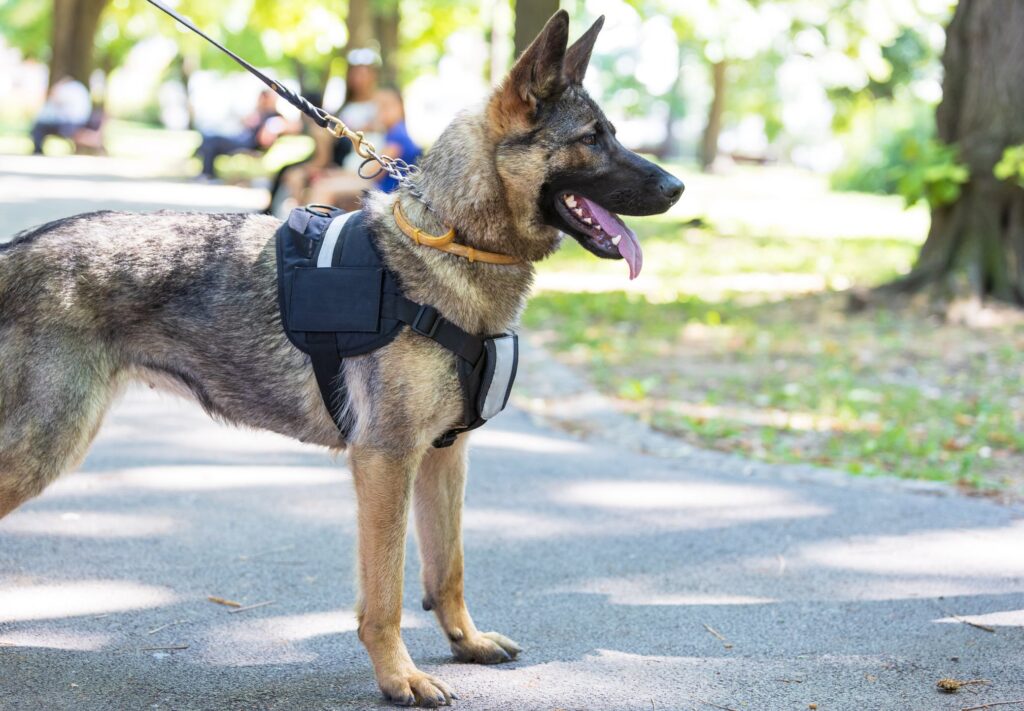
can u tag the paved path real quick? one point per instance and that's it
(633, 581)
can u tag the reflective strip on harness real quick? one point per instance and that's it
(331, 240)
(503, 356)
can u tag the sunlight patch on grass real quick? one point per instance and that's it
(734, 339)
(779, 201)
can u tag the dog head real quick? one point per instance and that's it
(558, 158)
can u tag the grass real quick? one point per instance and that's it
(735, 338)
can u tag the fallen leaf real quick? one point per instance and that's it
(954, 445)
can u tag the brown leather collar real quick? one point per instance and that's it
(446, 242)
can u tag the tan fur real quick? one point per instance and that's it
(383, 483)
(10, 500)
(439, 491)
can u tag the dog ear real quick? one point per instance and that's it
(577, 57)
(538, 75)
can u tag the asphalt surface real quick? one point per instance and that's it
(689, 580)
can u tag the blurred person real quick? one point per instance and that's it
(68, 110)
(343, 188)
(359, 112)
(261, 130)
(397, 142)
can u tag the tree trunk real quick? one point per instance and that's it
(713, 129)
(385, 20)
(981, 235)
(531, 16)
(360, 24)
(73, 38)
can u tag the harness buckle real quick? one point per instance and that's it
(426, 322)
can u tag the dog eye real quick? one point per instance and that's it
(589, 140)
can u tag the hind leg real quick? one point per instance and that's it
(53, 395)
(439, 491)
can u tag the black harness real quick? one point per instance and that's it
(339, 300)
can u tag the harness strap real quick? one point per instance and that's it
(426, 321)
(323, 354)
(339, 244)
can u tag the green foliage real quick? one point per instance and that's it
(930, 172)
(906, 59)
(426, 26)
(293, 38)
(908, 56)
(1011, 167)
(908, 161)
(25, 24)
(755, 93)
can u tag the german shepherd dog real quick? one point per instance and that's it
(189, 302)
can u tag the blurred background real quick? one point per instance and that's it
(839, 285)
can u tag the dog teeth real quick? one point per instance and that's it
(616, 239)
(588, 220)
(570, 201)
(579, 211)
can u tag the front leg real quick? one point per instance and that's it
(440, 488)
(383, 483)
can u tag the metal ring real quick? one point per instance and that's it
(380, 169)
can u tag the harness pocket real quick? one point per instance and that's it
(336, 299)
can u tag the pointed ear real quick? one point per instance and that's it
(577, 57)
(538, 75)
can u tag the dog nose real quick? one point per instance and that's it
(671, 187)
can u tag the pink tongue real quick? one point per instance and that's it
(628, 246)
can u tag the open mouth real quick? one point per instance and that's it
(600, 231)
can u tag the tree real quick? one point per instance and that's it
(386, 20)
(376, 23)
(732, 37)
(980, 233)
(713, 127)
(531, 16)
(359, 22)
(73, 38)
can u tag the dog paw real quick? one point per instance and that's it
(416, 689)
(485, 648)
